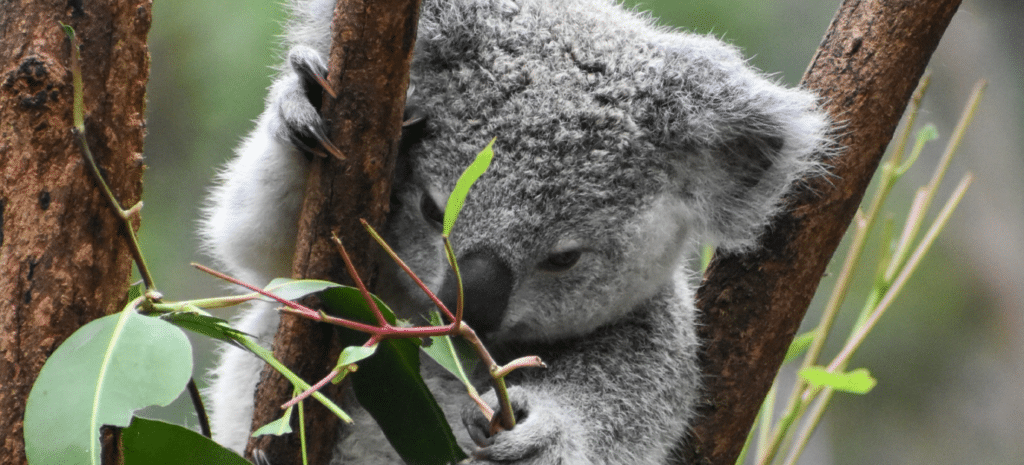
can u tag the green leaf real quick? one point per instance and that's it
(277, 427)
(209, 326)
(294, 289)
(858, 381)
(100, 375)
(458, 195)
(350, 355)
(389, 386)
(799, 346)
(927, 134)
(353, 354)
(443, 350)
(151, 442)
(348, 302)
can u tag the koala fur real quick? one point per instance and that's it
(620, 144)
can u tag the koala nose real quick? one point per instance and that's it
(486, 286)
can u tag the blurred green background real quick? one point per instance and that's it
(948, 355)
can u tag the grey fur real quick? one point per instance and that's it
(617, 139)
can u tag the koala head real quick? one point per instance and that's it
(618, 145)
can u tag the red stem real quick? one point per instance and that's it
(408, 271)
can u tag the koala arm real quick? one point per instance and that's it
(583, 408)
(251, 220)
(249, 227)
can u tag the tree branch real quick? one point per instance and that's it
(63, 253)
(369, 70)
(752, 304)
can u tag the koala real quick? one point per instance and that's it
(620, 146)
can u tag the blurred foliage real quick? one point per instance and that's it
(211, 65)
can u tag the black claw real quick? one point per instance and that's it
(322, 80)
(312, 71)
(331, 149)
(479, 437)
(313, 77)
(303, 144)
(318, 134)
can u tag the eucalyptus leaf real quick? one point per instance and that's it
(152, 442)
(461, 190)
(277, 427)
(799, 346)
(444, 351)
(354, 354)
(294, 289)
(389, 386)
(858, 381)
(348, 302)
(349, 356)
(100, 375)
(209, 326)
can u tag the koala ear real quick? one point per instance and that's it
(740, 141)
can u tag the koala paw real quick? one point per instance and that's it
(540, 437)
(297, 101)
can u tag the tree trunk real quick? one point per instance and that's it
(369, 70)
(752, 304)
(63, 257)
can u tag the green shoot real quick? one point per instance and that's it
(458, 195)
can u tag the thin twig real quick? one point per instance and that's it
(507, 419)
(197, 402)
(352, 273)
(394, 256)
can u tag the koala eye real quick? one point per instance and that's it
(430, 210)
(561, 261)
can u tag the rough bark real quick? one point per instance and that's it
(369, 69)
(63, 258)
(866, 70)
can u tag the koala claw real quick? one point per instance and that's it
(310, 66)
(299, 102)
(534, 440)
(260, 458)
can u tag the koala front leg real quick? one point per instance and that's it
(251, 220)
(546, 432)
(250, 227)
(622, 395)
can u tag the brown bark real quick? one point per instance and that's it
(369, 69)
(866, 70)
(63, 257)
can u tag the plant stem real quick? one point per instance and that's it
(506, 418)
(925, 195)
(352, 273)
(800, 442)
(197, 403)
(433, 298)
(79, 132)
(860, 333)
(459, 303)
(268, 357)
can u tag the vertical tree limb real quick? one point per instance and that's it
(63, 257)
(369, 69)
(752, 304)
